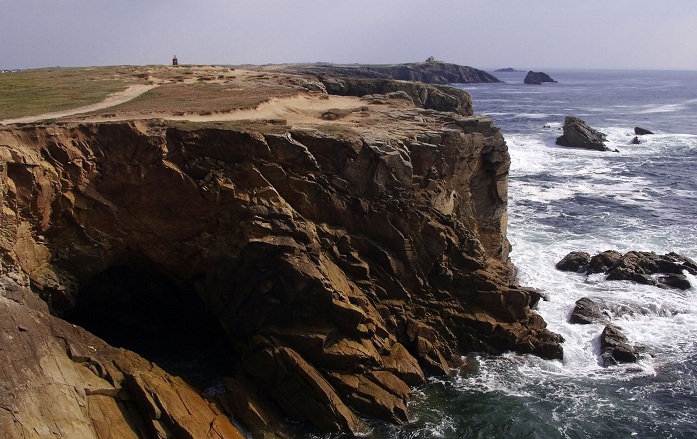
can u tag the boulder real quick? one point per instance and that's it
(641, 131)
(635, 141)
(604, 261)
(574, 261)
(578, 134)
(537, 78)
(587, 311)
(615, 348)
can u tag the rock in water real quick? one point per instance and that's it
(640, 267)
(537, 78)
(615, 347)
(574, 261)
(578, 134)
(587, 311)
(641, 131)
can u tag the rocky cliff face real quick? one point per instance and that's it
(431, 72)
(342, 267)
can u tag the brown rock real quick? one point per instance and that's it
(574, 261)
(378, 252)
(587, 311)
(74, 385)
(300, 389)
(615, 348)
(578, 134)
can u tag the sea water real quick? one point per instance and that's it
(643, 197)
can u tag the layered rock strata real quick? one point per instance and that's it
(344, 265)
(577, 134)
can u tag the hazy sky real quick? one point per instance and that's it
(486, 34)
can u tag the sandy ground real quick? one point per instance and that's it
(296, 110)
(303, 109)
(131, 92)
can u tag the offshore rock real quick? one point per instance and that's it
(615, 348)
(574, 261)
(537, 78)
(578, 134)
(587, 311)
(639, 131)
(665, 271)
(342, 266)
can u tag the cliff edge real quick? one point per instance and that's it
(342, 262)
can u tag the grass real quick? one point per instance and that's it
(201, 97)
(32, 92)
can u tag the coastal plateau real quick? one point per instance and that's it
(338, 243)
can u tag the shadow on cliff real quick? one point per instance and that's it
(144, 311)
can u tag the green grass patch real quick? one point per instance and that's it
(33, 92)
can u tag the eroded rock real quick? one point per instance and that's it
(577, 134)
(615, 347)
(342, 268)
(640, 267)
(587, 311)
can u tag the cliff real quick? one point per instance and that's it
(430, 72)
(339, 264)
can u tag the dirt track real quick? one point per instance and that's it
(130, 93)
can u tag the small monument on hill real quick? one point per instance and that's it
(175, 62)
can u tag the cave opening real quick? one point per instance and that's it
(144, 311)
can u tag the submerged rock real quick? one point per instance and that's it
(537, 78)
(578, 134)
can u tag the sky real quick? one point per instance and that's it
(533, 34)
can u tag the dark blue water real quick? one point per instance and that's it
(561, 199)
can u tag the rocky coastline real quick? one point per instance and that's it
(342, 264)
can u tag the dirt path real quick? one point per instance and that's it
(131, 92)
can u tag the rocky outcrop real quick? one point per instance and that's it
(578, 134)
(587, 311)
(58, 380)
(430, 72)
(432, 97)
(537, 78)
(639, 131)
(615, 347)
(574, 261)
(343, 267)
(507, 70)
(665, 271)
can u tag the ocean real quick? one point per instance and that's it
(643, 197)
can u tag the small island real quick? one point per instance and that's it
(507, 70)
(537, 78)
